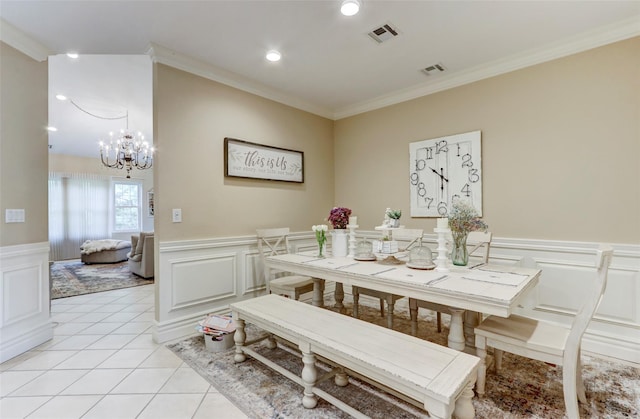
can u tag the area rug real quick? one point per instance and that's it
(71, 278)
(524, 388)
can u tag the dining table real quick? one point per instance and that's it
(490, 289)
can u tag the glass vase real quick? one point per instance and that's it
(459, 252)
(322, 247)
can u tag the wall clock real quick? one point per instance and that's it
(442, 169)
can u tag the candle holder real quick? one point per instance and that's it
(352, 239)
(442, 260)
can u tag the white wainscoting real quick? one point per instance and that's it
(24, 298)
(205, 276)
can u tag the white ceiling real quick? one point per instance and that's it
(329, 66)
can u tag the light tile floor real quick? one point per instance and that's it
(103, 363)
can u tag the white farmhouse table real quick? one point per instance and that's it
(489, 289)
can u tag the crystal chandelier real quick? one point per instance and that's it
(127, 151)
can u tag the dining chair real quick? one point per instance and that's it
(478, 244)
(544, 341)
(410, 235)
(275, 241)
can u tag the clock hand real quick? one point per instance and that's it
(441, 176)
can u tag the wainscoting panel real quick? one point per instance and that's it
(204, 276)
(24, 298)
(202, 280)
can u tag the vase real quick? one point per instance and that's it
(459, 252)
(394, 222)
(339, 243)
(322, 248)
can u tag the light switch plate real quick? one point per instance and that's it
(176, 215)
(14, 216)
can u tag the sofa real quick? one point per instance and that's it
(141, 255)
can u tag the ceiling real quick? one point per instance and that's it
(330, 66)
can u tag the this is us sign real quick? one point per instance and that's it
(257, 161)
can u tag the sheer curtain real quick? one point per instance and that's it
(78, 211)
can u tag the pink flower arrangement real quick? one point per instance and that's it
(339, 217)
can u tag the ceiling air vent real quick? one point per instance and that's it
(383, 33)
(433, 69)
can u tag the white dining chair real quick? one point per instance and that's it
(478, 244)
(275, 241)
(410, 236)
(544, 341)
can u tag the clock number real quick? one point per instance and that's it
(420, 164)
(429, 201)
(466, 189)
(473, 175)
(442, 208)
(442, 147)
(466, 160)
(422, 191)
(414, 178)
(429, 151)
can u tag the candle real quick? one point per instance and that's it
(443, 223)
(353, 220)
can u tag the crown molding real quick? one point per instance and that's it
(619, 31)
(163, 55)
(17, 39)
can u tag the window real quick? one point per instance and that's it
(127, 205)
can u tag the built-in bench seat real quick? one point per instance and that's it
(433, 377)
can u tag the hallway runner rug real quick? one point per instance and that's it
(524, 388)
(70, 278)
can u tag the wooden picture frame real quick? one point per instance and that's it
(244, 159)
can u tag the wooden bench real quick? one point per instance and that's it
(433, 377)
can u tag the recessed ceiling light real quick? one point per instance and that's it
(273, 56)
(61, 97)
(72, 54)
(52, 129)
(350, 7)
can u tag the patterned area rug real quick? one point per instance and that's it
(71, 278)
(523, 389)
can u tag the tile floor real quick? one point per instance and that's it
(103, 363)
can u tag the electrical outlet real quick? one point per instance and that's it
(176, 215)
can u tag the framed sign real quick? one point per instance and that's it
(443, 169)
(257, 161)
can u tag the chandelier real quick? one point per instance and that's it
(127, 151)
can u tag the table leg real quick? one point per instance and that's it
(456, 331)
(339, 296)
(318, 292)
(471, 320)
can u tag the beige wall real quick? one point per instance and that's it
(192, 116)
(560, 148)
(76, 164)
(23, 146)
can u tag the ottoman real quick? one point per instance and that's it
(104, 251)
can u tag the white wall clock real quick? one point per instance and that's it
(442, 169)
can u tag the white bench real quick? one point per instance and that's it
(433, 377)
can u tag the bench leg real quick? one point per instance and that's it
(239, 338)
(341, 378)
(413, 312)
(464, 407)
(338, 294)
(356, 299)
(309, 377)
(390, 307)
(481, 352)
(271, 342)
